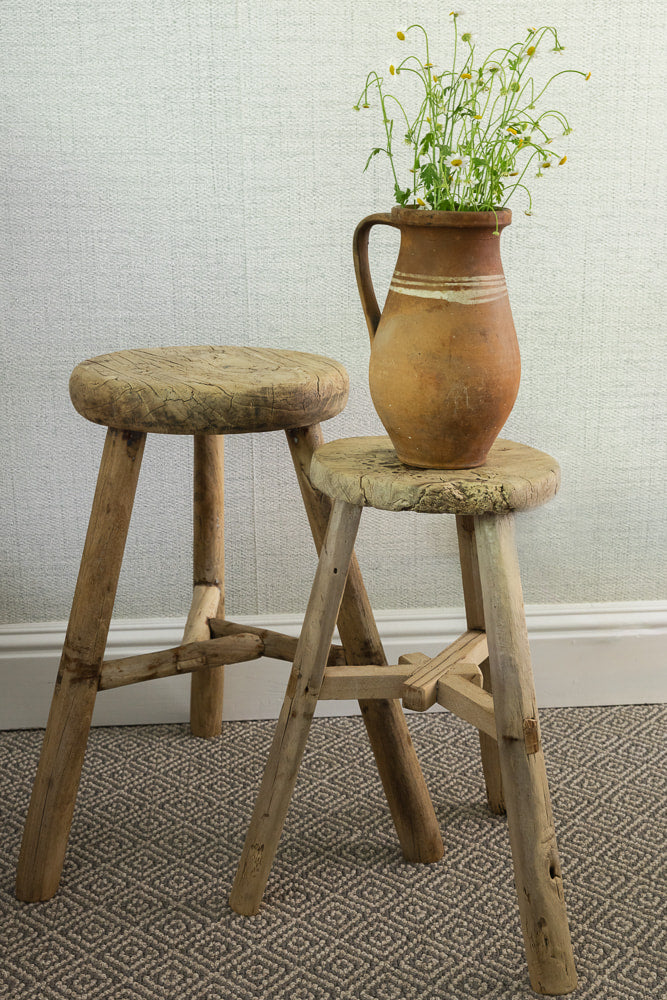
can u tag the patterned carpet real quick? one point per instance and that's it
(142, 913)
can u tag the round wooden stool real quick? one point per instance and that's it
(206, 392)
(492, 656)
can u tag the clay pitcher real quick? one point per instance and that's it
(445, 367)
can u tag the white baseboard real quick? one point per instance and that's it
(587, 654)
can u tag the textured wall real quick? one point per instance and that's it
(191, 172)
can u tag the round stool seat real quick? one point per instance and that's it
(208, 390)
(366, 472)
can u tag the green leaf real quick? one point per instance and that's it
(429, 175)
(401, 195)
(426, 143)
(374, 153)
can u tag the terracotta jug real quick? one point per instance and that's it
(445, 367)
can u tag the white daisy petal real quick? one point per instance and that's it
(457, 161)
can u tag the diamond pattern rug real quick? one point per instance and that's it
(142, 912)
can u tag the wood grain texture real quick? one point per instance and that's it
(364, 681)
(184, 659)
(421, 688)
(276, 645)
(207, 600)
(297, 712)
(468, 701)
(537, 870)
(208, 390)
(474, 605)
(54, 791)
(208, 577)
(402, 779)
(367, 472)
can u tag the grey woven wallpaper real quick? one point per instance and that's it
(179, 173)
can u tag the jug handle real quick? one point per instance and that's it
(369, 301)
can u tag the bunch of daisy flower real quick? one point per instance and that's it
(479, 126)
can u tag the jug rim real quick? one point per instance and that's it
(416, 215)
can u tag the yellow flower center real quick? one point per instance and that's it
(530, 51)
(420, 202)
(457, 163)
(400, 35)
(466, 76)
(588, 76)
(392, 70)
(561, 162)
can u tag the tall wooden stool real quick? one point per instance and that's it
(206, 392)
(492, 656)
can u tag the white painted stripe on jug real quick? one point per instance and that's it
(438, 279)
(465, 291)
(466, 298)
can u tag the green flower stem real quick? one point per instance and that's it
(519, 183)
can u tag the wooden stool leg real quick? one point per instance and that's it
(472, 595)
(297, 711)
(537, 868)
(57, 781)
(408, 797)
(207, 686)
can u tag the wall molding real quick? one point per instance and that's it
(584, 654)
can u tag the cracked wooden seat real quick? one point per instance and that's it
(367, 472)
(484, 677)
(206, 392)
